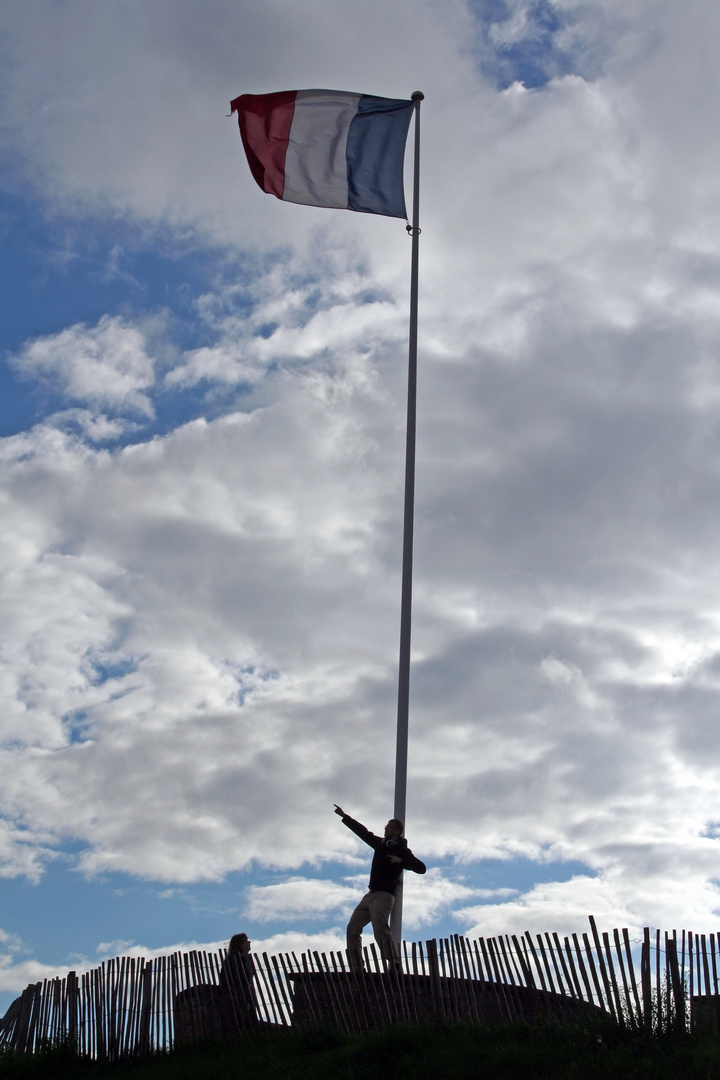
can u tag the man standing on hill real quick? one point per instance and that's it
(392, 856)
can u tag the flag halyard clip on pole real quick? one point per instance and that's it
(401, 751)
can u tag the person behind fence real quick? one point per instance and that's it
(392, 856)
(236, 977)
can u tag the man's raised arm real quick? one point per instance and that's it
(357, 828)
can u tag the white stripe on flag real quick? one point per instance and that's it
(315, 163)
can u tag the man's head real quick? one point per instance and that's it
(394, 829)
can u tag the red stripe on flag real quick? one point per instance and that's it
(264, 121)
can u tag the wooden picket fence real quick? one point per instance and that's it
(130, 1006)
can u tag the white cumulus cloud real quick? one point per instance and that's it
(106, 365)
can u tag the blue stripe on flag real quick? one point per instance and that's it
(375, 156)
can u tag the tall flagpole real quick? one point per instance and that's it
(401, 750)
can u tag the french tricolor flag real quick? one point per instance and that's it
(327, 148)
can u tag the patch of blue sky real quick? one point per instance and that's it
(182, 404)
(248, 679)
(103, 670)
(517, 874)
(534, 41)
(501, 880)
(56, 272)
(54, 269)
(77, 725)
(266, 330)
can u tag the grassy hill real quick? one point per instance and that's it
(440, 1052)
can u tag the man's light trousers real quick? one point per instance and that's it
(375, 907)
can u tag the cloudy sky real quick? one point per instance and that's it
(202, 404)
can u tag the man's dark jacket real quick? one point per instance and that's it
(384, 875)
